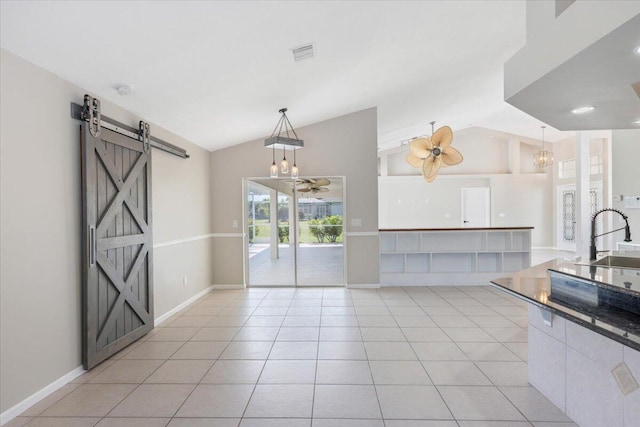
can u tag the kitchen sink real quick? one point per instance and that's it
(618, 262)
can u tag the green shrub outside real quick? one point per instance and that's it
(332, 227)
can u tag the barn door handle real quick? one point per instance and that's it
(92, 245)
(466, 222)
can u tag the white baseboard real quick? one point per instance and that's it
(27, 403)
(16, 410)
(179, 307)
(363, 286)
(225, 287)
(550, 248)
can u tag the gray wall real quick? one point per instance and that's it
(344, 146)
(625, 149)
(40, 218)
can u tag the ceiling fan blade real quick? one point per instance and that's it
(322, 189)
(304, 190)
(323, 181)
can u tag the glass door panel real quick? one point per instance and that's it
(271, 255)
(320, 235)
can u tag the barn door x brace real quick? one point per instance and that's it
(90, 112)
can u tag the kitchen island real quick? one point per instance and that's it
(452, 256)
(584, 346)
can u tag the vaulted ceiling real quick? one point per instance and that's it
(216, 73)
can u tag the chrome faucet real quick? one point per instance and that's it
(627, 231)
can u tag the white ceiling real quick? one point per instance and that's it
(216, 73)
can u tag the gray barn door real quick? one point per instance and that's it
(117, 283)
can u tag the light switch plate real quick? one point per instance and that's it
(356, 222)
(624, 378)
(235, 223)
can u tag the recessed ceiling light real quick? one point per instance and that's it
(125, 90)
(637, 50)
(637, 122)
(583, 110)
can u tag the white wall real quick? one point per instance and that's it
(344, 146)
(521, 199)
(516, 201)
(482, 154)
(626, 175)
(40, 272)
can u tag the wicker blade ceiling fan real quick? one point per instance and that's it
(432, 153)
(311, 185)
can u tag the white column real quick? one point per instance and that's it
(607, 189)
(583, 211)
(273, 220)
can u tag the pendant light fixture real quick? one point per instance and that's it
(284, 165)
(294, 169)
(280, 138)
(274, 167)
(543, 158)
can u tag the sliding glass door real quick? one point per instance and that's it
(295, 232)
(270, 252)
(320, 243)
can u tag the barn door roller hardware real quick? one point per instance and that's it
(90, 112)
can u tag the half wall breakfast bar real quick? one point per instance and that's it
(452, 256)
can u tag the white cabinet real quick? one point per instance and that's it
(452, 257)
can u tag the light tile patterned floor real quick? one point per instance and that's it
(436, 356)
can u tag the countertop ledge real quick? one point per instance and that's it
(533, 285)
(456, 229)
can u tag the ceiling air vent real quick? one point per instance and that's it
(303, 52)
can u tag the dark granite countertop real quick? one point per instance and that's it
(533, 285)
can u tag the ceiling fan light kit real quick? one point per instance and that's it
(432, 153)
(281, 138)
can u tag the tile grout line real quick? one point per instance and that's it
(425, 369)
(218, 358)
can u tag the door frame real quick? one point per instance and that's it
(593, 185)
(245, 230)
(487, 210)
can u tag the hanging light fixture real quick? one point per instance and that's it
(294, 169)
(543, 158)
(274, 167)
(284, 165)
(280, 138)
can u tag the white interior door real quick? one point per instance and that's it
(476, 207)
